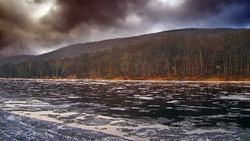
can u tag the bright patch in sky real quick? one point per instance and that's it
(133, 19)
(172, 3)
(42, 9)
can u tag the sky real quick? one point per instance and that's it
(38, 26)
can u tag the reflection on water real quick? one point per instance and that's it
(188, 105)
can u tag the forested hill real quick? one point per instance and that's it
(178, 54)
(75, 50)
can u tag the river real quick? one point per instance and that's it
(136, 110)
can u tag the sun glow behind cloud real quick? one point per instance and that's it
(172, 3)
(41, 9)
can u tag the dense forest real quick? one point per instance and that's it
(192, 54)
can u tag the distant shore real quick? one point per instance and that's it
(212, 79)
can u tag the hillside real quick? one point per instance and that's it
(75, 50)
(176, 54)
(15, 59)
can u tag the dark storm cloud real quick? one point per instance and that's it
(2, 41)
(75, 12)
(11, 20)
(25, 30)
(64, 20)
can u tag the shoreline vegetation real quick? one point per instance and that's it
(187, 78)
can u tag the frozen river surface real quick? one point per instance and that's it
(132, 110)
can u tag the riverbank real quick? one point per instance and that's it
(157, 78)
(186, 78)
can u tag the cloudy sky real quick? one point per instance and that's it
(39, 26)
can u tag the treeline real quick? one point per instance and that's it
(178, 56)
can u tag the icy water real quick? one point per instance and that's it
(138, 110)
